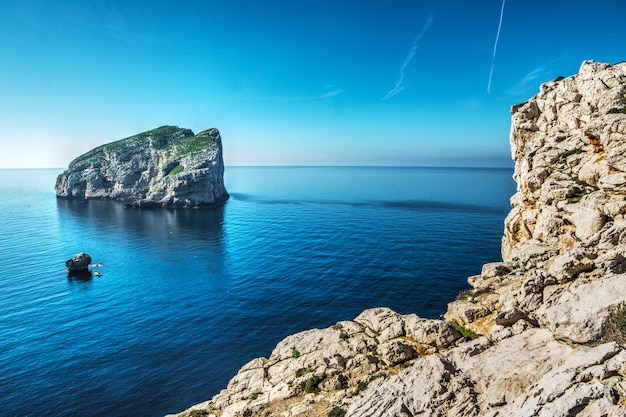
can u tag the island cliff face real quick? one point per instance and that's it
(168, 166)
(541, 333)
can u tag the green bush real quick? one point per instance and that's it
(361, 386)
(576, 197)
(336, 411)
(295, 353)
(617, 110)
(343, 335)
(193, 144)
(311, 385)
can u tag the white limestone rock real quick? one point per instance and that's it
(385, 323)
(529, 374)
(571, 116)
(578, 311)
(437, 333)
(431, 387)
(585, 384)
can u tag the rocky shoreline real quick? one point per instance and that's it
(541, 333)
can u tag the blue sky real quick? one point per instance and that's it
(298, 82)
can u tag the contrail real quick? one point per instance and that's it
(399, 87)
(495, 46)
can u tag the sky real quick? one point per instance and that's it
(300, 82)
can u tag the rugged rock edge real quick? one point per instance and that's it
(540, 333)
(168, 166)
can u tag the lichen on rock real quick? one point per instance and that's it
(168, 166)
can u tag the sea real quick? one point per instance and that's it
(185, 297)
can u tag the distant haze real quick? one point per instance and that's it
(310, 82)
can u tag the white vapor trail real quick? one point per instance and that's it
(399, 87)
(495, 46)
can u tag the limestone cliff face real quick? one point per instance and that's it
(564, 242)
(570, 154)
(541, 333)
(167, 166)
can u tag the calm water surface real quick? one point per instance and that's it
(188, 296)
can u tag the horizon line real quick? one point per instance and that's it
(511, 166)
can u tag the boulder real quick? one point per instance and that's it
(80, 262)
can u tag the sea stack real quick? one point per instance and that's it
(540, 333)
(166, 167)
(79, 263)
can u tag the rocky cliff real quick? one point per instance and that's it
(167, 166)
(541, 333)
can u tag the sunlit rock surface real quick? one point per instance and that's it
(168, 166)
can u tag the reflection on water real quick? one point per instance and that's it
(137, 243)
(80, 276)
(157, 223)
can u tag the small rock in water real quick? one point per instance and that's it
(80, 262)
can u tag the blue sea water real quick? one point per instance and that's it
(186, 297)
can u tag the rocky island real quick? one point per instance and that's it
(168, 166)
(540, 333)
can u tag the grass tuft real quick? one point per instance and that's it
(470, 295)
(176, 170)
(616, 110)
(196, 413)
(576, 197)
(466, 333)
